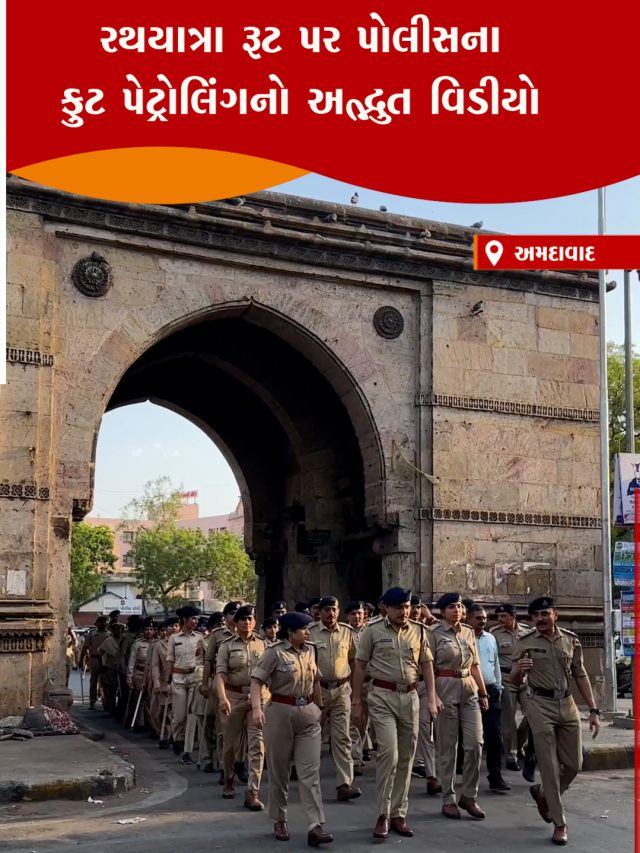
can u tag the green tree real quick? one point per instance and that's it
(168, 558)
(92, 555)
(617, 409)
(159, 503)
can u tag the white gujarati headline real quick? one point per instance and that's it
(199, 95)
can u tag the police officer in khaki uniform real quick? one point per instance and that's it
(355, 613)
(460, 687)
(424, 765)
(336, 649)
(136, 676)
(160, 696)
(507, 633)
(91, 656)
(237, 658)
(548, 657)
(291, 721)
(182, 658)
(395, 652)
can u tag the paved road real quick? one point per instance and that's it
(184, 811)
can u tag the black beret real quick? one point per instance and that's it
(134, 623)
(243, 612)
(270, 620)
(505, 608)
(230, 608)
(301, 607)
(278, 605)
(187, 611)
(151, 623)
(447, 599)
(114, 613)
(314, 601)
(416, 599)
(172, 620)
(215, 619)
(328, 601)
(350, 606)
(544, 603)
(468, 602)
(396, 596)
(295, 621)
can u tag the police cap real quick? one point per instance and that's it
(447, 599)
(295, 621)
(543, 603)
(396, 596)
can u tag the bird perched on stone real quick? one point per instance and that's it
(330, 217)
(424, 234)
(238, 200)
(478, 308)
(382, 208)
(355, 198)
(478, 224)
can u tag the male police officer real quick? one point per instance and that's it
(395, 652)
(507, 633)
(548, 657)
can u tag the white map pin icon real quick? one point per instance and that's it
(494, 250)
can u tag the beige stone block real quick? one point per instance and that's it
(448, 380)
(535, 498)
(531, 583)
(488, 553)
(511, 335)
(510, 361)
(461, 354)
(576, 556)
(547, 366)
(24, 269)
(527, 469)
(494, 386)
(23, 332)
(536, 552)
(586, 586)
(517, 312)
(555, 445)
(564, 472)
(585, 346)
(472, 329)
(449, 466)
(583, 371)
(550, 340)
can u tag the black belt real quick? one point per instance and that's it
(550, 694)
(331, 685)
(505, 669)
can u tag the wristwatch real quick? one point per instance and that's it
(483, 695)
(594, 711)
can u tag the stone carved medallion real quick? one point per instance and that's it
(388, 322)
(92, 276)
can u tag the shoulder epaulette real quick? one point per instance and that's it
(570, 633)
(276, 643)
(346, 625)
(228, 639)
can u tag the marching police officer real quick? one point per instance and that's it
(549, 656)
(507, 633)
(237, 658)
(336, 650)
(291, 721)
(395, 652)
(182, 658)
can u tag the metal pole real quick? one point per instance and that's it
(628, 365)
(610, 692)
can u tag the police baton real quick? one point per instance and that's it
(135, 713)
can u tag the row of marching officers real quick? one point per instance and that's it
(274, 698)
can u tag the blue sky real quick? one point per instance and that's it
(142, 442)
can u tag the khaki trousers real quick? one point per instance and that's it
(292, 735)
(218, 726)
(555, 724)
(513, 736)
(95, 668)
(182, 690)
(360, 739)
(396, 720)
(236, 727)
(464, 712)
(426, 748)
(337, 713)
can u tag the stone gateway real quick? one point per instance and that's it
(381, 431)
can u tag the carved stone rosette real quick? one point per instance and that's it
(92, 276)
(388, 322)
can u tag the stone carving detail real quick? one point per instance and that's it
(22, 641)
(29, 356)
(388, 322)
(505, 407)
(535, 519)
(81, 507)
(25, 491)
(92, 276)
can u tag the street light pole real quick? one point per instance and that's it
(610, 692)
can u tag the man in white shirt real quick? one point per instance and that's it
(491, 718)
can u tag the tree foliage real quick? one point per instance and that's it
(92, 554)
(617, 409)
(159, 503)
(169, 558)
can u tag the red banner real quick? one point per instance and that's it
(556, 252)
(463, 102)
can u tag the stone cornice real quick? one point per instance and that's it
(291, 229)
(509, 407)
(525, 519)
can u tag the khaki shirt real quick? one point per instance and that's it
(555, 659)
(335, 649)
(451, 648)
(394, 655)
(507, 641)
(237, 658)
(183, 649)
(159, 667)
(287, 670)
(109, 650)
(214, 641)
(93, 642)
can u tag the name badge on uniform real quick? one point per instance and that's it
(384, 640)
(287, 666)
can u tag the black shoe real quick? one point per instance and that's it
(419, 771)
(240, 769)
(208, 768)
(499, 786)
(529, 767)
(186, 759)
(512, 763)
(177, 747)
(163, 744)
(293, 776)
(366, 755)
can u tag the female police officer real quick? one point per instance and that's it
(461, 689)
(291, 723)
